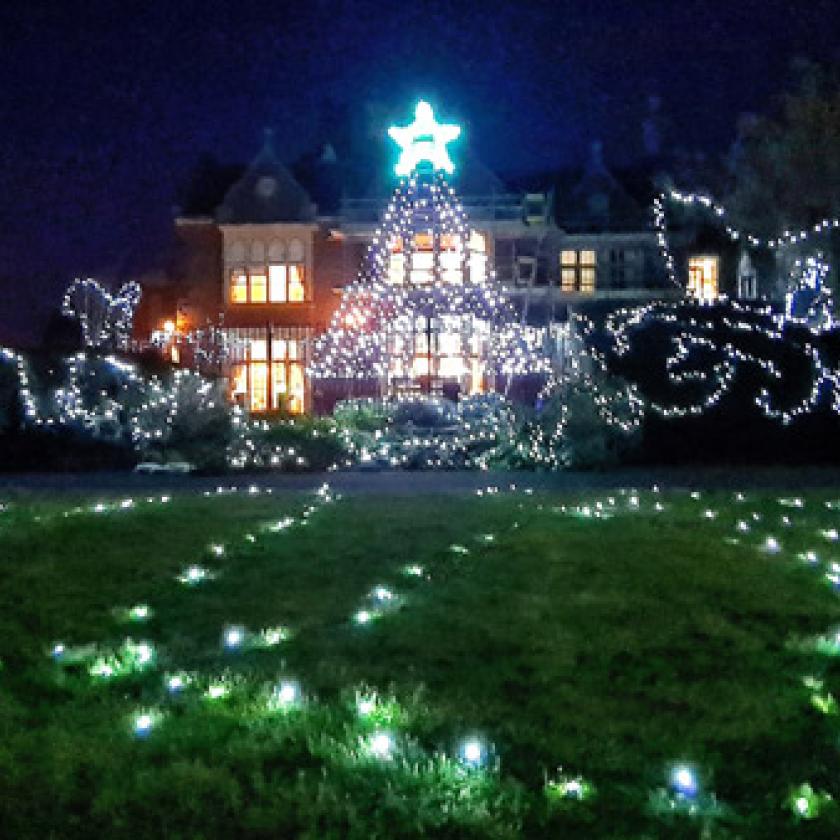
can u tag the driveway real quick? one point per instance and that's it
(409, 483)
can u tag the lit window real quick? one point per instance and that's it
(239, 382)
(703, 277)
(577, 271)
(451, 366)
(258, 349)
(396, 269)
(423, 242)
(450, 344)
(422, 260)
(278, 348)
(259, 386)
(477, 242)
(478, 267)
(238, 287)
(259, 291)
(296, 388)
(297, 290)
(277, 283)
(278, 383)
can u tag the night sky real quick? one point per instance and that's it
(107, 107)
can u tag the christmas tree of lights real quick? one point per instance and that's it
(424, 309)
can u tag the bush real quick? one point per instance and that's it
(589, 423)
(300, 444)
(187, 419)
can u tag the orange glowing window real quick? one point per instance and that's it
(238, 287)
(259, 386)
(259, 286)
(297, 288)
(423, 242)
(239, 382)
(296, 388)
(703, 277)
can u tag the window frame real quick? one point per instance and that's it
(265, 271)
(579, 276)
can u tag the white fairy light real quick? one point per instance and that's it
(143, 724)
(365, 705)
(234, 636)
(217, 690)
(381, 745)
(684, 781)
(287, 694)
(472, 752)
(771, 545)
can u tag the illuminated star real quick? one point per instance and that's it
(424, 141)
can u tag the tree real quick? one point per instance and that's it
(424, 312)
(787, 167)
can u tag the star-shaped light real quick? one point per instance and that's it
(424, 141)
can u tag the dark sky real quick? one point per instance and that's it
(106, 107)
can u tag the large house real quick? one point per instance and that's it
(263, 254)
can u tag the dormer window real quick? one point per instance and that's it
(266, 186)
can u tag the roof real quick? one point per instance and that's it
(470, 179)
(267, 192)
(595, 199)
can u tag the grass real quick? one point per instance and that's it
(616, 647)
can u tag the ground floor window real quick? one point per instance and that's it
(267, 371)
(703, 277)
(437, 353)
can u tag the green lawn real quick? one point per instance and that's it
(618, 648)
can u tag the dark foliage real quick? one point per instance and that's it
(734, 429)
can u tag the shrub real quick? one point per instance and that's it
(298, 444)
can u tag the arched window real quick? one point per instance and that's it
(273, 274)
(257, 251)
(236, 252)
(297, 253)
(276, 251)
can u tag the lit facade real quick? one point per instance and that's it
(267, 260)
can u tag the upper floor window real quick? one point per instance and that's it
(577, 271)
(618, 275)
(703, 277)
(274, 283)
(526, 271)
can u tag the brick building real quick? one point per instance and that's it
(265, 252)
